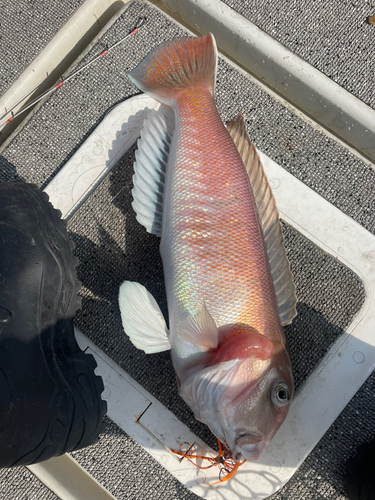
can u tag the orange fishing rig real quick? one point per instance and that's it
(227, 466)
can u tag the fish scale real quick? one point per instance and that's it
(211, 219)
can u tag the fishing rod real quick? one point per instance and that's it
(141, 22)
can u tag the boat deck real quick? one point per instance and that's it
(111, 246)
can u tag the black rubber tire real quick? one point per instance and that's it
(360, 478)
(49, 394)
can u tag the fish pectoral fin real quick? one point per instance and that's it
(269, 219)
(199, 329)
(142, 319)
(149, 170)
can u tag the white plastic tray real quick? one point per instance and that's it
(328, 389)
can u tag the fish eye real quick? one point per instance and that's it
(280, 394)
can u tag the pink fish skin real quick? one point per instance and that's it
(237, 378)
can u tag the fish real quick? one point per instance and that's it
(201, 188)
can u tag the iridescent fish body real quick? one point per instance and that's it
(228, 283)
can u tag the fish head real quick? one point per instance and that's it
(243, 401)
(255, 414)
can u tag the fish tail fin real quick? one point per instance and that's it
(176, 66)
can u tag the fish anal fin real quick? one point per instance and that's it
(142, 319)
(269, 219)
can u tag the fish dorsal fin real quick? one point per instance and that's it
(199, 329)
(149, 171)
(142, 319)
(269, 218)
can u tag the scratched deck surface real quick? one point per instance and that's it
(112, 246)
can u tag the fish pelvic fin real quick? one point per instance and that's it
(176, 66)
(269, 219)
(142, 319)
(200, 329)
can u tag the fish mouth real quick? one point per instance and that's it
(248, 447)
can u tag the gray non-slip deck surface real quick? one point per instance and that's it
(25, 29)
(112, 246)
(334, 36)
(20, 484)
(125, 469)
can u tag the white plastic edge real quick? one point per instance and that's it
(68, 480)
(327, 391)
(118, 131)
(346, 116)
(66, 40)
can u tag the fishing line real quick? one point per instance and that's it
(141, 22)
